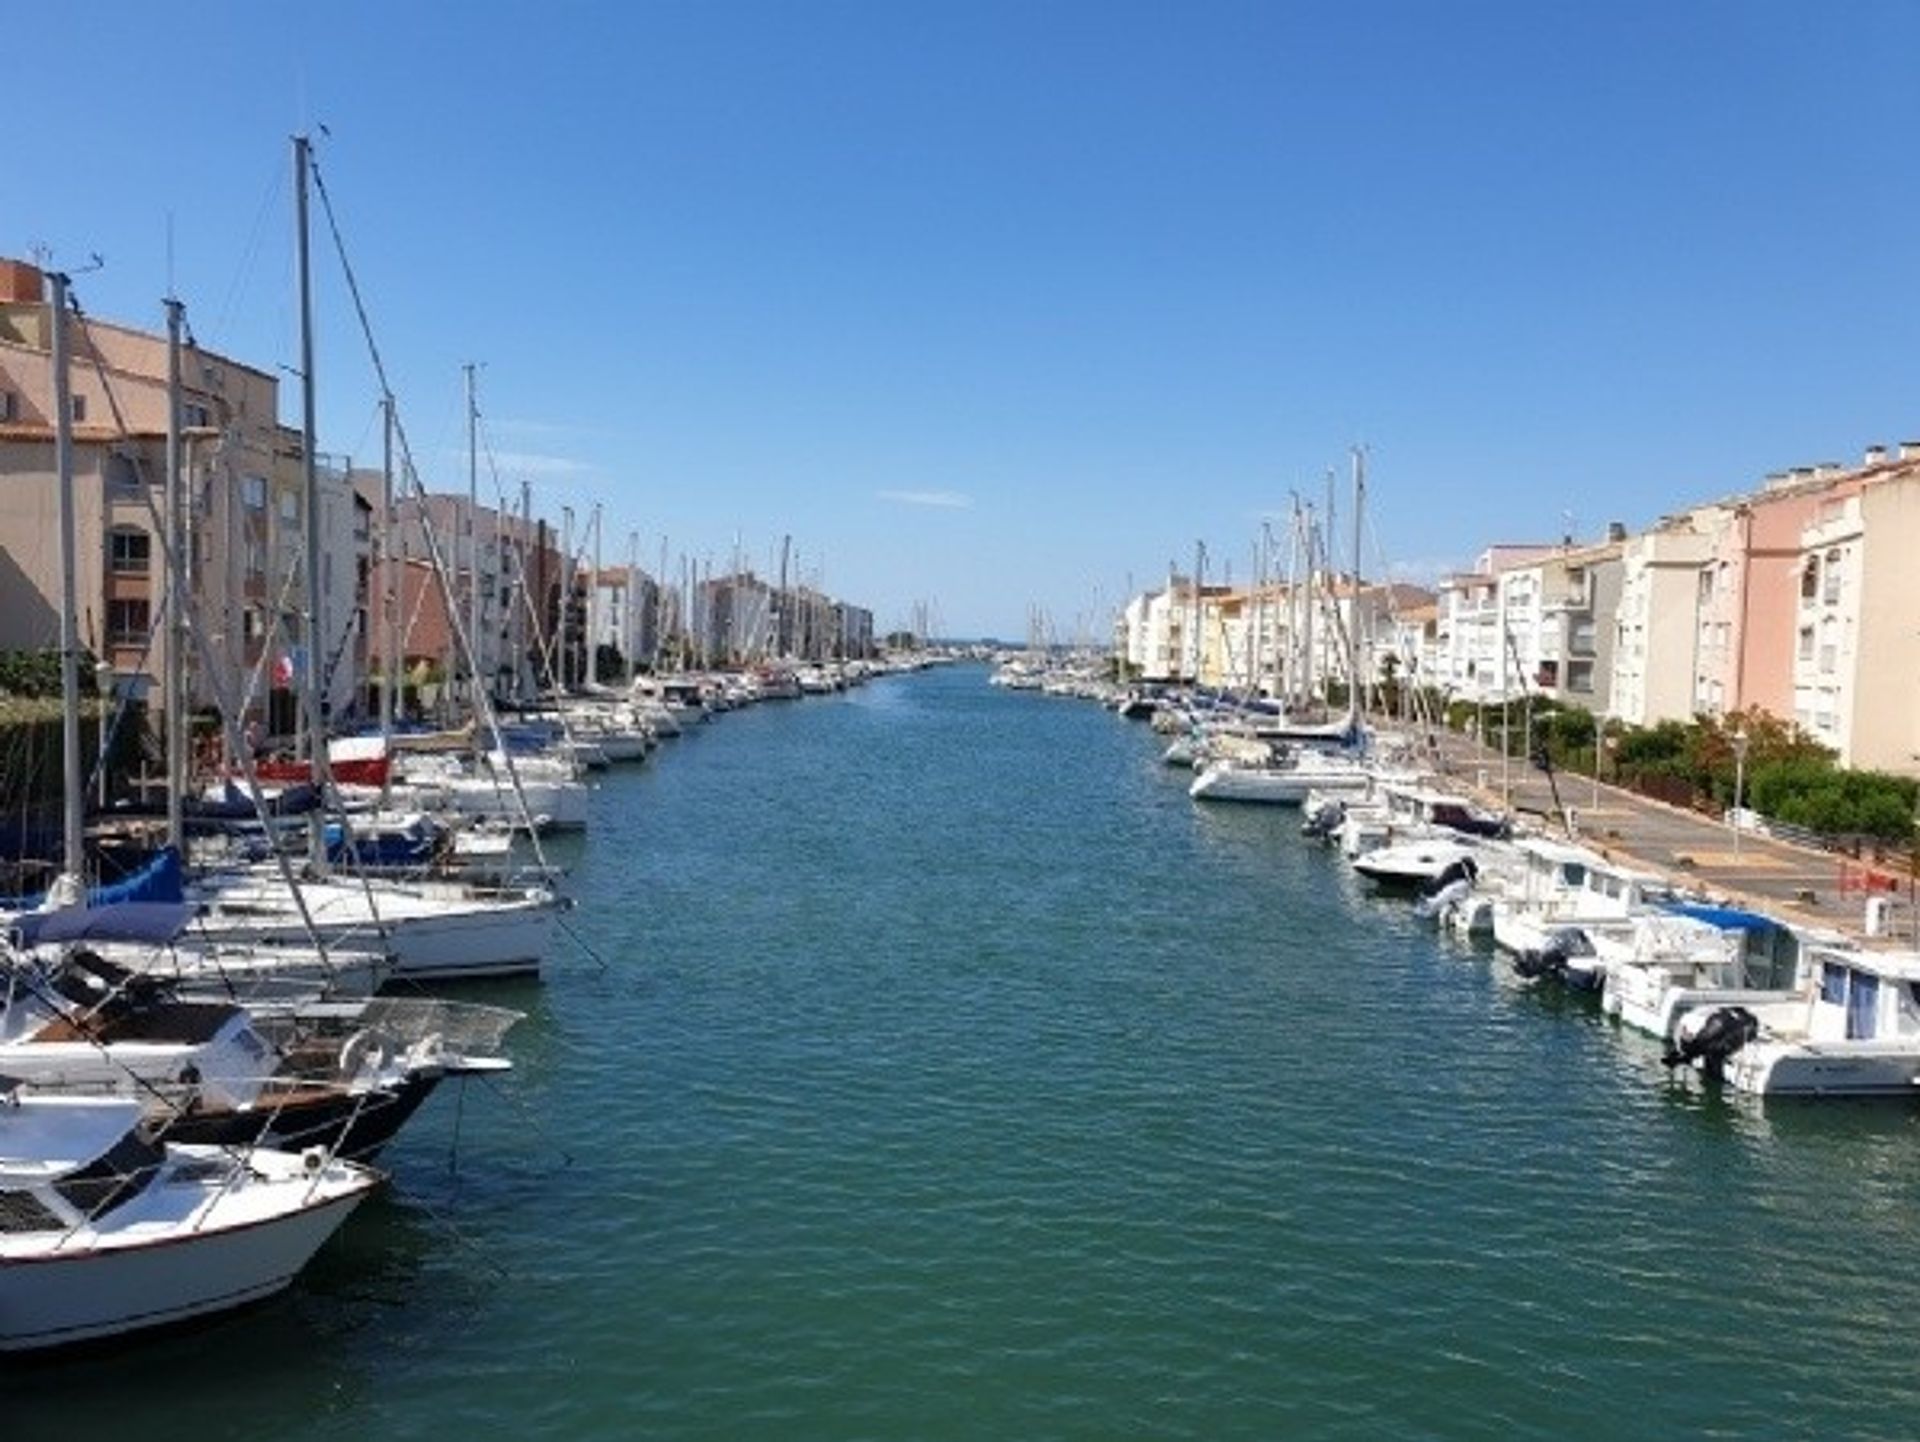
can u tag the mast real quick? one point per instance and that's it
(629, 637)
(392, 585)
(1353, 640)
(310, 474)
(1304, 519)
(473, 537)
(592, 652)
(72, 856)
(1199, 561)
(566, 587)
(176, 701)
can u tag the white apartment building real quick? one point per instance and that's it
(1656, 628)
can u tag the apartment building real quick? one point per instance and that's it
(1475, 661)
(245, 513)
(1657, 623)
(1856, 645)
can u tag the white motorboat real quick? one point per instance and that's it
(1661, 965)
(106, 1232)
(342, 1074)
(1854, 1031)
(1562, 887)
(1426, 863)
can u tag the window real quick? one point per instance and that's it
(253, 492)
(289, 508)
(1580, 676)
(1831, 595)
(1863, 1002)
(127, 621)
(1810, 579)
(1806, 643)
(1706, 584)
(9, 407)
(1833, 983)
(79, 406)
(196, 416)
(1548, 675)
(129, 552)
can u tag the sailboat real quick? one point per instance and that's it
(430, 930)
(1302, 759)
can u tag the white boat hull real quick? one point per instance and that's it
(129, 1284)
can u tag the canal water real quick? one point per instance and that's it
(941, 1071)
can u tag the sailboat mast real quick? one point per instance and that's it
(73, 858)
(176, 701)
(473, 536)
(1199, 560)
(391, 578)
(310, 475)
(1353, 641)
(630, 638)
(592, 664)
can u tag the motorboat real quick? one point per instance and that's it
(104, 1231)
(1853, 1031)
(346, 1075)
(1559, 887)
(1425, 863)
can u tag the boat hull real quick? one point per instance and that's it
(60, 1298)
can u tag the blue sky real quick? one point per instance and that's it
(998, 306)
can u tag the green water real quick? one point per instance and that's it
(952, 1075)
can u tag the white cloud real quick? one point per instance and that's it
(514, 464)
(947, 500)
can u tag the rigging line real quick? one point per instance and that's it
(456, 625)
(276, 187)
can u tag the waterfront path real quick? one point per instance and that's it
(1807, 886)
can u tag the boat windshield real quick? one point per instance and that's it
(113, 1179)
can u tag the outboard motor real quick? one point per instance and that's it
(1460, 871)
(1435, 902)
(1325, 818)
(1717, 1036)
(1451, 885)
(1551, 959)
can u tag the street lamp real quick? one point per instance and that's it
(1599, 743)
(1740, 741)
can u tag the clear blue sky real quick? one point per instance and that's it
(1003, 305)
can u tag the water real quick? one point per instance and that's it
(951, 1075)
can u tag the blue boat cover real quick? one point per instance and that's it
(161, 879)
(152, 922)
(1727, 918)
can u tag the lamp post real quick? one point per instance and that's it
(1599, 743)
(1740, 742)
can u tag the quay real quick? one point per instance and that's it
(1812, 888)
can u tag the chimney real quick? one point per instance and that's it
(1875, 456)
(1910, 450)
(1616, 531)
(20, 281)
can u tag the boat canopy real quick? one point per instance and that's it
(152, 922)
(1727, 918)
(43, 1138)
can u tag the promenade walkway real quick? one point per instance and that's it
(1801, 884)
